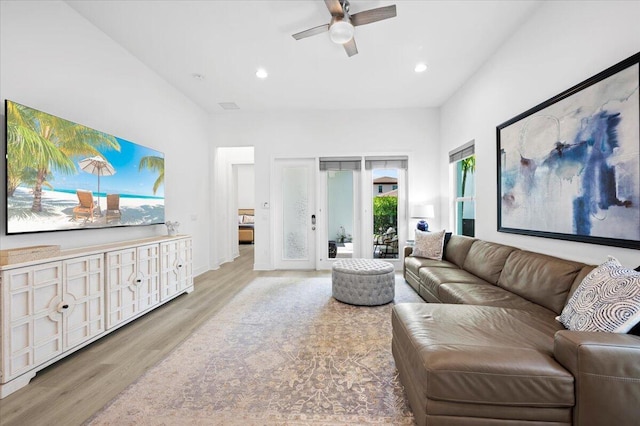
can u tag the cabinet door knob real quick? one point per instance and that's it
(65, 306)
(138, 280)
(179, 266)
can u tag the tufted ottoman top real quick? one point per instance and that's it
(363, 266)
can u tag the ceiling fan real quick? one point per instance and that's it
(341, 27)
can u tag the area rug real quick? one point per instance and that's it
(282, 352)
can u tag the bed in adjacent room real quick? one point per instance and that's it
(246, 220)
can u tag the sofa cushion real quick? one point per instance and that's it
(481, 355)
(414, 264)
(486, 259)
(543, 279)
(432, 278)
(475, 294)
(489, 295)
(427, 294)
(608, 299)
(456, 250)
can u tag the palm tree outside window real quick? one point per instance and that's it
(463, 168)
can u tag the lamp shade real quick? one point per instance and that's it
(341, 32)
(423, 210)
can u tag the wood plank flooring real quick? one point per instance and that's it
(73, 389)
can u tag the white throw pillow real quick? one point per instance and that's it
(608, 299)
(428, 245)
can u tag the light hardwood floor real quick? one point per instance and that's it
(73, 389)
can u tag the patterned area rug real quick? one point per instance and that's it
(284, 352)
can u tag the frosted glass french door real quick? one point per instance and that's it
(295, 216)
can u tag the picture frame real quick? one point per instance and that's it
(569, 168)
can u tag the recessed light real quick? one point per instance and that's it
(197, 76)
(420, 67)
(262, 73)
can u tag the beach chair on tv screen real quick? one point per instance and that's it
(113, 207)
(86, 208)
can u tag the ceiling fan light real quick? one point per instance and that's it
(262, 73)
(341, 32)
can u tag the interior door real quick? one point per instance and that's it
(295, 215)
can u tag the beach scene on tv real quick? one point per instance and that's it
(62, 175)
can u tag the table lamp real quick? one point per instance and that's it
(423, 211)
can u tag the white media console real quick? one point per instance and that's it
(52, 307)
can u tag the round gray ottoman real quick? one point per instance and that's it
(365, 282)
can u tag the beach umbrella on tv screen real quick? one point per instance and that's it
(97, 166)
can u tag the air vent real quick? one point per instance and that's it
(229, 105)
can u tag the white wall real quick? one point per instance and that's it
(246, 186)
(290, 134)
(564, 43)
(53, 60)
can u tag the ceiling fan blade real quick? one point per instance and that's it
(311, 32)
(335, 8)
(373, 15)
(350, 47)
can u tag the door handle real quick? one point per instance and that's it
(313, 222)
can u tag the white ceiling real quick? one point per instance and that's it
(226, 41)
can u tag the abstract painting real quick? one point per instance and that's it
(569, 168)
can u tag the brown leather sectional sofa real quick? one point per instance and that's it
(487, 349)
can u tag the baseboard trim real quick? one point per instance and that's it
(263, 267)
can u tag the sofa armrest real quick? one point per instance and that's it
(408, 250)
(606, 368)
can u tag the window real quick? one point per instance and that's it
(394, 187)
(379, 189)
(463, 164)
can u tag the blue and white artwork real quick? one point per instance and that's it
(571, 168)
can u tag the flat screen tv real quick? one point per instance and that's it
(62, 175)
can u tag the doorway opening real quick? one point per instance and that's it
(388, 222)
(340, 201)
(340, 213)
(234, 189)
(385, 213)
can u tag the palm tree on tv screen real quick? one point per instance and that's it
(155, 164)
(39, 143)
